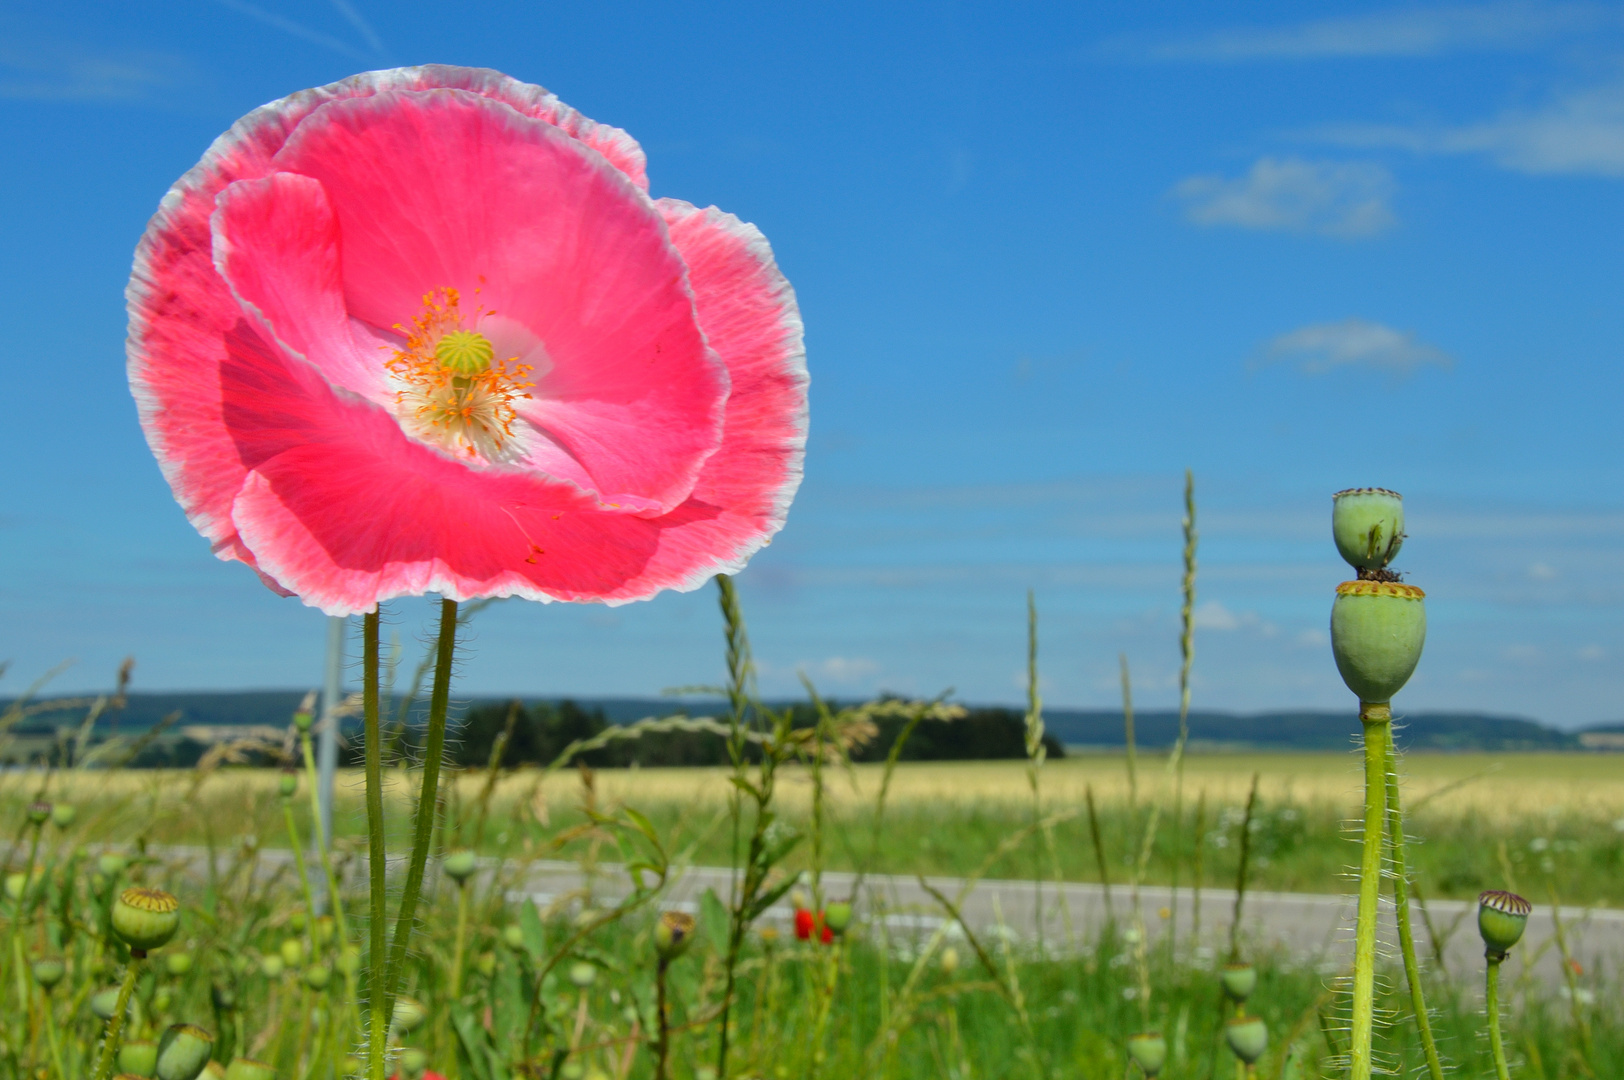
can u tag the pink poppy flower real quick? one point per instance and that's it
(424, 330)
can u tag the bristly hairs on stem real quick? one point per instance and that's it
(1401, 913)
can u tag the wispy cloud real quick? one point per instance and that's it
(362, 27)
(1343, 199)
(1324, 347)
(41, 72)
(1579, 133)
(299, 30)
(1400, 33)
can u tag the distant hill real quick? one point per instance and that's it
(1284, 730)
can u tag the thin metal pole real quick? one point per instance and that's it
(332, 696)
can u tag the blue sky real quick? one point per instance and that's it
(1048, 255)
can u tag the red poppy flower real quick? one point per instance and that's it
(805, 921)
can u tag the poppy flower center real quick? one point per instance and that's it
(452, 393)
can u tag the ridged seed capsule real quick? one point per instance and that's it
(145, 918)
(183, 1051)
(1148, 1050)
(1501, 919)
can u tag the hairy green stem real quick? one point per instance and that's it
(115, 1023)
(1401, 906)
(378, 1028)
(52, 1039)
(1491, 1005)
(427, 799)
(662, 1041)
(304, 876)
(1374, 717)
(462, 941)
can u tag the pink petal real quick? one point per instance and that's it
(444, 188)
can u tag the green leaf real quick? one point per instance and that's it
(475, 1045)
(644, 826)
(535, 935)
(771, 897)
(714, 919)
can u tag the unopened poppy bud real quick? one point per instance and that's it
(183, 1051)
(837, 916)
(1501, 919)
(178, 964)
(512, 937)
(48, 971)
(949, 962)
(409, 1015)
(572, 1070)
(673, 933)
(63, 815)
(303, 719)
(1238, 980)
(1368, 526)
(19, 883)
(324, 929)
(145, 918)
(292, 951)
(349, 960)
(137, 1058)
(271, 965)
(298, 921)
(1377, 631)
(486, 964)
(39, 812)
(1148, 1050)
(162, 999)
(110, 864)
(317, 976)
(104, 1002)
(1248, 1037)
(288, 784)
(583, 974)
(413, 1063)
(799, 900)
(248, 1069)
(459, 866)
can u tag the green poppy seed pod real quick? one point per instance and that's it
(162, 999)
(48, 971)
(1239, 980)
(223, 996)
(287, 785)
(1501, 919)
(104, 1002)
(183, 1050)
(1148, 1050)
(303, 719)
(214, 1071)
(459, 866)
(583, 974)
(248, 1069)
(145, 918)
(349, 960)
(413, 1063)
(572, 1070)
(110, 864)
(1377, 630)
(271, 965)
(292, 951)
(324, 930)
(39, 812)
(138, 1058)
(317, 976)
(63, 815)
(18, 883)
(512, 937)
(673, 933)
(298, 921)
(409, 1015)
(1247, 1036)
(486, 964)
(837, 916)
(178, 964)
(949, 963)
(1368, 526)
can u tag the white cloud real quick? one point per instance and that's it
(1403, 33)
(44, 72)
(1323, 347)
(1540, 571)
(1344, 199)
(1581, 133)
(1592, 652)
(1214, 616)
(845, 669)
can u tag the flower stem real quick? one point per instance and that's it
(304, 876)
(662, 1044)
(462, 940)
(1401, 903)
(427, 799)
(1492, 1006)
(1374, 717)
(377, 1030)
(335, 901)
(52, 1039)
(115, 1023)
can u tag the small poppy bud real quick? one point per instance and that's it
(63, 815)
(459, 866)
(324, 929)
(39, 812)
(573, 1070)
(512, 937)
(288, 784)
(837, 916)
(798, 899)
(349, 960)
(1368, 526)
(1148, 1050)
(248, 1069)
(298, 921)
(486, 964)
(583, 974)
(271, 965)
(145, 918)
(48, 971)
(1377, 631)
(1238, 980)
(292, 951)
(162, 999)
(18, 884)
(949, 962)
(137, 1058)
(673, 933)
(413, 1063)
(183, 1050)
(1248, 1037)
(1501, 919)
(104, 1002)
(178, 964)
(409, 1015)
(317, 976)
(110, 864)
(303, 719)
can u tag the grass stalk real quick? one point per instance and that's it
(1241, 873)
(1401, 905)
(1186, 659)
(1374, 718)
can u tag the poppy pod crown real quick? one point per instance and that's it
(425, 330)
